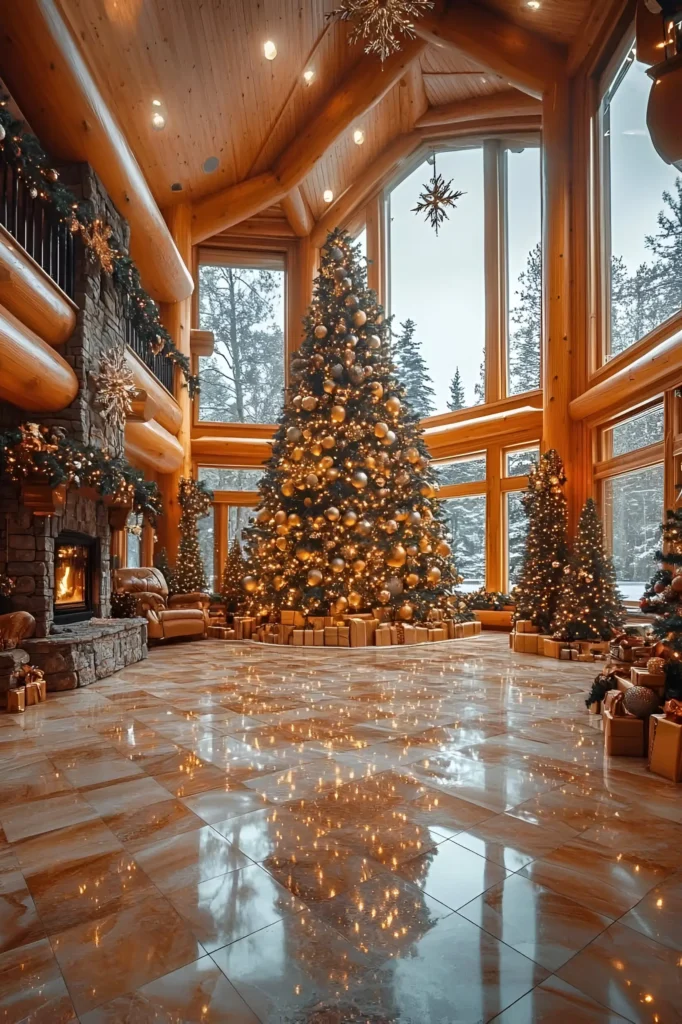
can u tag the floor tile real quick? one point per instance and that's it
(509, 841)
(543, 925)
(556, 1002)
(270, 831)
(220, 804)
(143, 825)
(629, 973)
(451, 874)
(659, 914)
(19, 920)
(124, 797)
(227, 908)
(196, 994)
(32, 988)
(190, 857)
(116, 954)
(31, 782)
(46, 815)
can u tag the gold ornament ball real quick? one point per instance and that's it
(337, 565)
(389, 438)
(332, 514)
(677, 583)
(309, 403)
(412, 455)
(294, 520)
(359, 480)
(370, 462)
(287, 489)
(364, 527)
(393, 405)
(641, 701)
(655, 666)
(374, 342)
(338, 414)
(402, 479)
(443, 549)
(328, 441)
(315, 577)
(406, 611)
(359, 318)
(278, 582)
(411, 579)
(320, 331)
(303, 554)
(433, 575)
(350, 518)
(391, 526)
(281, 543)
(318, 522)
(412, 550)
(359, 566)
(339, 606)
(414, 518)
(380, 429)
(355, 599)
(332, 474)
(312, 480)
(263, 516)
(425, 545)
(326, 461)
(427, 491)
(384, 596)
(297, 454)
(280, 517)
(293, 434)
(402, 513)
(282, 530)
(396, 556)
(329, 386)
(249, 583)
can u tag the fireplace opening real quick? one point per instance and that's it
(74, 577)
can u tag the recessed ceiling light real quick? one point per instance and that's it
(158, 122)
(270, 50)
(533, 4)
(328, 195)
(176, 186)
(358, 136)
(308, 76)
(156, 103)
(211, 164)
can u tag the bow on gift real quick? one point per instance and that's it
(33, 674)
(673, 710)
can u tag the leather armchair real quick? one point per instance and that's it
(183, 615)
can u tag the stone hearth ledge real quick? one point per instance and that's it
(81, 654)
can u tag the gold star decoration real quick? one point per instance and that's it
(96, 239)
(435, 199)
(115, 387)
(378, 23)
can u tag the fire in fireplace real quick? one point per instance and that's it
(74, 577)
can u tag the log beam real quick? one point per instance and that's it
(509, 102)
(359, 92)
(527, 61)
(152, 445)
(33, 297)
(297, 212)
(167, 410)
(46, 73)
(32, 375)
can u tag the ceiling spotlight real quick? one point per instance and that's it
(358, 136)
(308, 76)
(158, 121)
(210, 164)
(270, 50)
(533, 4)
(328, 195)
(156, 103)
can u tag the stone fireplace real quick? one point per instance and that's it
(76, 577)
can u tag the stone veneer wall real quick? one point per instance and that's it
(27, 541)
(81, 654)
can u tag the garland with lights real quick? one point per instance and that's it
(589, 605)
(546, 551)
(32, 450)
(24, 154)
(348, 517)
(195, 500)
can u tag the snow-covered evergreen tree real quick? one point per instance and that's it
(412, 371)
(526, 327)
(457, 399)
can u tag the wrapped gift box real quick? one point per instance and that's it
(285, 632)
(526, 626)
(318, 637)
(298, 637)
(316, 621)
(640, 677)
(553, 648)
(382, 614)
(437, 633)
(653, 725)
(382, 636)
(331, 636)
(526, 643)
(371, 626)
(459, 630)
(421, 634)
(244, 627)
(308, 637)
(666, 749)
(358, 632)
(469, 628)
(623, 735)
(344, 636)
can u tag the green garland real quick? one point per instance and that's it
(32, 449)
(25, 155)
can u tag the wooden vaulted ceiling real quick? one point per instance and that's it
(203, 59)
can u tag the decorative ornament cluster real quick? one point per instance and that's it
(436, 199)
(115, 388)
(23, 153)
(379, 24)
(35, 451)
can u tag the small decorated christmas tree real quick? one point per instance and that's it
(232, 590)
(163, 565)
(541, 576)
(348, 517)
(589, 606)
(195, 501)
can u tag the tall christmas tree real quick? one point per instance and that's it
(541, 576)
(195, 501)
(348, 516)
(412, 371)
(457, 399)
(231, 590)
(589, 606)
(163, 565)
(663, 598)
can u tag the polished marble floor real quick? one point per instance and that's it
(234, 833)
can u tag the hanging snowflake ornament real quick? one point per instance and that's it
(115, 388)
(379, 23)
(436, 198)
(96, 239)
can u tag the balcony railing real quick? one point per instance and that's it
(36, 228)
(160, 365)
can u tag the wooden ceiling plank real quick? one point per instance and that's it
(297, 212)
(597, 27)
(359, 92)
(510, 101)
(525, 60)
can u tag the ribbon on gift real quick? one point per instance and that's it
(613, 702)
(673, 710)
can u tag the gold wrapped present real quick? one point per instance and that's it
(623, 735)
(358, 632)
(421, 634)
(666, 750)
(318, 637)
(316, 621)
(309, 637)
(331, 636)
(298, 637)
(526, 626)
(410, 634)
(344, 636)
(553, 648)
(641, 677)
(437, 633)
(382, 636)
(285, 632)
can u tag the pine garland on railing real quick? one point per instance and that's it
(25, 155)
(32, 450)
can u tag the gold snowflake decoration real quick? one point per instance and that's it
(115, 388)
(435, 200)
(96, 239)
(378, 23)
